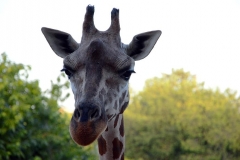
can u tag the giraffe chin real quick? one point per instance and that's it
(84, 133)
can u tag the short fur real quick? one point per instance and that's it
(99, 69)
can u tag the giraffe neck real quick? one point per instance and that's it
(111, 143)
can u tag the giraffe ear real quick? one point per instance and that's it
(61, 43)
(142, 44)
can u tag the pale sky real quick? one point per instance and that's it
(200, 36)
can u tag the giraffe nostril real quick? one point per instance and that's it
(87, 112)
(94, 114)
(76, 114)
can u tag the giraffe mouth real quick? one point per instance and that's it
(84, 133)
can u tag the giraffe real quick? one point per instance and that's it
(99, 68)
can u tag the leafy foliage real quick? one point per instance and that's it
(174, 117)
(32, 125)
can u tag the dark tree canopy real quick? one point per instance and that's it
(32, 125)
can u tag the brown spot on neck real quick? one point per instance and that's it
(117, 148)
(116, 121)
(102, 145)
(121, 128)
(122, 157)
(123, 107)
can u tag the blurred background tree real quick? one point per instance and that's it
(176, 118)
(32, 126)
(173, 118)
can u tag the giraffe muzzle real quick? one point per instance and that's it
(87, 123)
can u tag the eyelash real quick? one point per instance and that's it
(127, 74)
(67, 72)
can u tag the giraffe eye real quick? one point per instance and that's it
(67, 72)
(126, 75)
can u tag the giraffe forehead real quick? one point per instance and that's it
(103, 56)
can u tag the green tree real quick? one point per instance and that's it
(174, 117)
(32, 125)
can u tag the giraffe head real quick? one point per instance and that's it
(99, 69)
